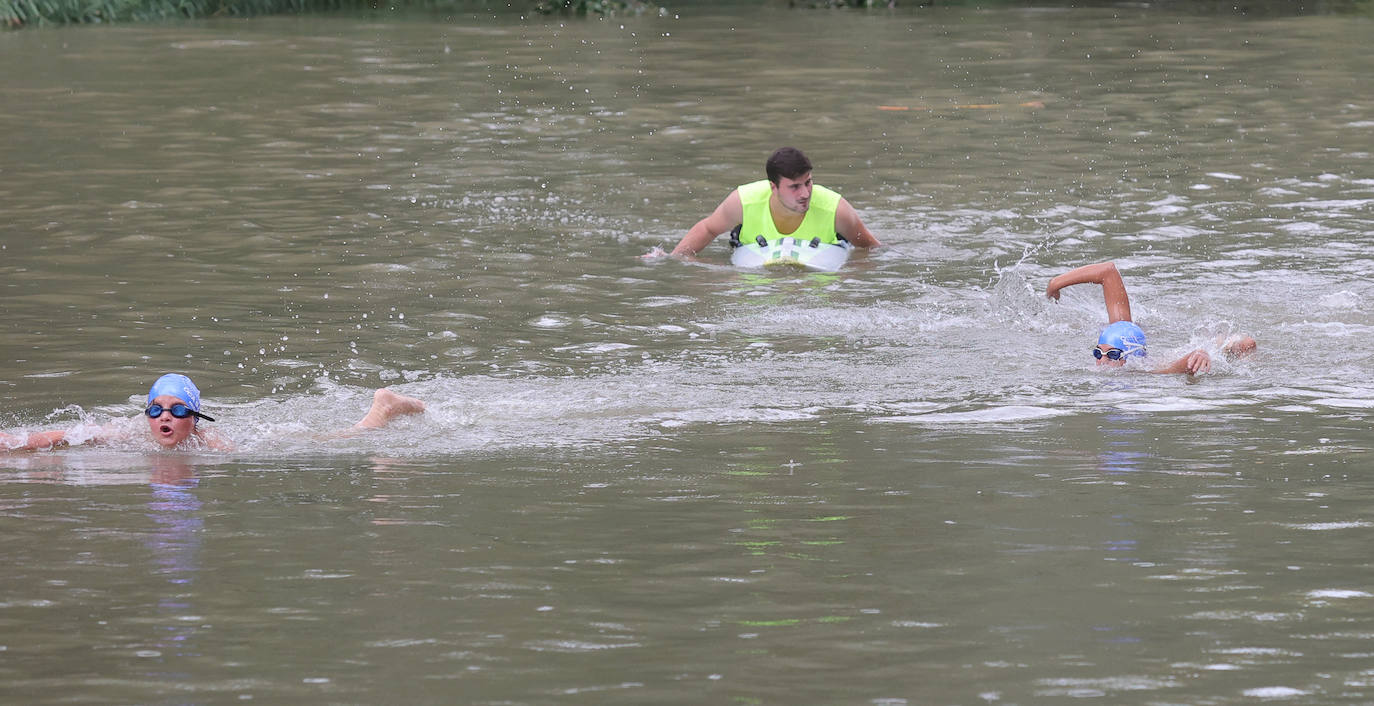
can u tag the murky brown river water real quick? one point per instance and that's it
(671, 482)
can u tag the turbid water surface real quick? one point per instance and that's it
(656, 481)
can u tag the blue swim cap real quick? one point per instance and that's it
(1126, 336)
(178, 386)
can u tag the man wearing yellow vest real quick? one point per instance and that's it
(786, 204)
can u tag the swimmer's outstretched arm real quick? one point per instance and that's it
(36, 441)
(1103, 273)
(1198, 362)
(48, 440)
(727, 215)
(1195, 363)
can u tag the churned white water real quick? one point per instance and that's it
(661, 481)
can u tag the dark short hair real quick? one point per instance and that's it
(787, 162)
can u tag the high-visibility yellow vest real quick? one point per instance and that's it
(819, 221)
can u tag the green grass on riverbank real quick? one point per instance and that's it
(20, 13)
(35, 12)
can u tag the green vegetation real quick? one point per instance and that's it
(15, 13)
(18, 13)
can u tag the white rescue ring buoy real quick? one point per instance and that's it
(789, 252)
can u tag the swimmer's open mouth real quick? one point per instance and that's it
(165, 429)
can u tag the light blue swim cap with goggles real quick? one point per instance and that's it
(178, 386)
(1126, 336)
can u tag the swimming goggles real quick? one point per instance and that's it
(1111, 353)
(178, 410)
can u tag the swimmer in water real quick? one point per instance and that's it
(1122, 339)
(787, 203)
(174, 415)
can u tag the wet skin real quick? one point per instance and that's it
(168, 431)
(794, 195)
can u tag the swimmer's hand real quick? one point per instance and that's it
(1239, 346)
(1052, 291)
(654, 254)
(1194, 363)
(1197, 362)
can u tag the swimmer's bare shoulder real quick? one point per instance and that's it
(214, 440)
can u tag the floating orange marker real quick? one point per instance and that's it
(980, 106)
